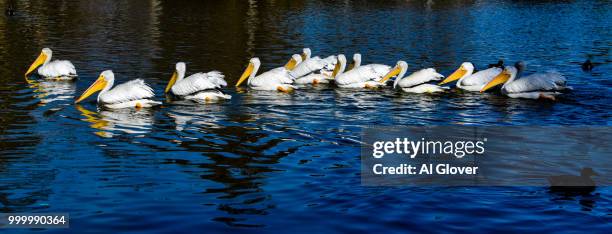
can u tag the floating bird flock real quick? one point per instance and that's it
(303, 70)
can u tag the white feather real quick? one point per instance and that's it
(135, 103)
(313, 78)
(271, 80)
(133, 90)
(359, 75)
(420, 77)
(312, 65)
(199, 82)
(212, 95)
(57, 68)
(480, 78)
(537, 82)
(425, 88)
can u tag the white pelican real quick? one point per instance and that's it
(57, 69)
(322, 76)
(275, 79)
(199, 87)
(314, 68)
(314, 78)
(539, 85)
(134, 93)
(290, 65)
(417, 82)
(367, 76)
(470, 81)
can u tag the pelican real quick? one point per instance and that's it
(199, 87)
(134, 93)
(470, 81)
(275, 79)
(311, 65)
(322, 76)
(57, 69)
(417, 82)
(539, 85)
(367, 76)
(315, 78)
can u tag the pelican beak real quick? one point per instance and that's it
(247, 72)
(455, 76)
(39, 61)
(172, 81)
(95, 87)
(396, 70)
(336, 69)
(499, 79)
(291, 64)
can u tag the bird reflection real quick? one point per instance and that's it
(268, 97)
(361, 99)
(195, 115)
(128, 120)
(48, 91)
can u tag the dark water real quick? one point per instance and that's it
(271, 162)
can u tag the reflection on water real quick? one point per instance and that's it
(189, 115)
(269, 161)
(132, 121)
(52, 91)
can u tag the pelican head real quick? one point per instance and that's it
(43, 58)
(509, 73)
(250, 70)
(466, 69)
(340, 65)
(306, 53)
(356, 62)
(104, 82)
(293, 62)
(399, 69)
(178, 74)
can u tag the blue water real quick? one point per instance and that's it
(269, 162)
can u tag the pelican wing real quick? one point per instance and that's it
(371, 72)
(482, 77)
(57, 68)
(199, 82)
(271, 79)
(311, 65)
(537, 82)
(128, 91)
(375, 71)
(312, 78)
(420, 77)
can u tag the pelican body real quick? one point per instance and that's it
(540, 85)
(367, 76)
(313, 70)
(134, 93)
(57, 69)
(417, 82)
(199, 87)
(277, 79)
(470, 81)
